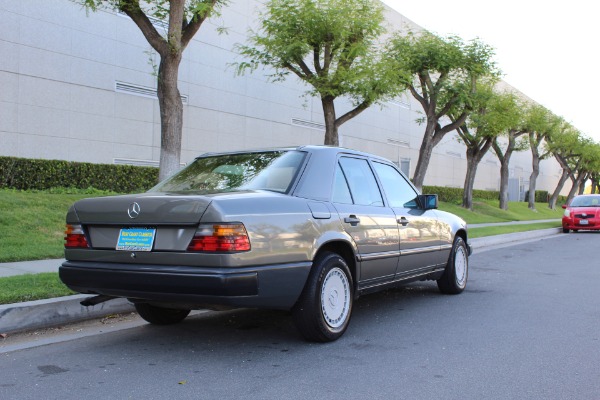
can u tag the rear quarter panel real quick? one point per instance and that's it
(281, 228)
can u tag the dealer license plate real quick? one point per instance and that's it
(583, 222)
(136, 239)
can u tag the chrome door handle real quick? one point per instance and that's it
(352, 220)
(402, 221)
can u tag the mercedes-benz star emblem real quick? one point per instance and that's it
(134, 210)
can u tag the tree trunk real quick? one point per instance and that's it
(331, 130)
(575, 187)
(561, 183)
(425, 151)
(504, 163)
(582, 184)
(171, 115)
(504, 181)
(467, 200)
(474, 156)
(535, 164)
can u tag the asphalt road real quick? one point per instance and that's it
(527, 327)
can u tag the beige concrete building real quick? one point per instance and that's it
(81, 87)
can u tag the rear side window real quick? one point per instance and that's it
(341, 193)
(361, 181)
(398, 191)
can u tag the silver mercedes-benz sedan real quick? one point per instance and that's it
(305, 229)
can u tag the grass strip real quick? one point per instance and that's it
(485, 211)
(32, 223)
(28, 287)
(500, 230)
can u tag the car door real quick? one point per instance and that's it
(372, 226)
(419, 228)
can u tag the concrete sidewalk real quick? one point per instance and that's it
(39, 314)
(29, 267)
(539, 221)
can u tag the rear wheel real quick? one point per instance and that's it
(323, 311)
(160, 316)
(455, 276)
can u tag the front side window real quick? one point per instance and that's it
(273, 170)
(398, 191)
(361, 181)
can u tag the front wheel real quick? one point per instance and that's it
(323, 311)
(160, 316)
(455, 276)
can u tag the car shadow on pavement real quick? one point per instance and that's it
(274, 329)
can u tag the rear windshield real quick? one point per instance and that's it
(273, 170)
(586, 201)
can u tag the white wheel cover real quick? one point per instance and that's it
(335, 298)
(460, 266)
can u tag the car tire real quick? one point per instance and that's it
(565, 230)
(454, 279)
(323, 311)
(159, 315)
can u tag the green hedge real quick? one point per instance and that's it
(454, 195)
(541, 196)
(34, 174)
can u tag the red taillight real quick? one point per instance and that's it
(74, 237)
(220, 238)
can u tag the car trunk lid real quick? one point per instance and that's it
(142, 209)
(171, 219)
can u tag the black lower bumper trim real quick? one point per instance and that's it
(268, 286)
(107, 280)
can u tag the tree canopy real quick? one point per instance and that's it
(443, 76)
(541, 124)
(332, 45)
(493, 115)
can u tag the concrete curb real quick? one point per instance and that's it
(490, 241)
(30, 315)
(39, 314)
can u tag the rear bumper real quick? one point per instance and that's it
(272, 286)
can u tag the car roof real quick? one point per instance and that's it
(321, 149)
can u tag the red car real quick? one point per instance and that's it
(582, 213)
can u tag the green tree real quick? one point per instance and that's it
(595, 186)
(565, 145)
(329, 44)
(540, 125)
(510, 141)
(184, 19)
(492, 115)
(588, 165)
(443, 77)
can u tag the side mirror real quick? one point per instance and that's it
(564, 206)
(428, 201)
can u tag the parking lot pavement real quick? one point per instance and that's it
(39, 314)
